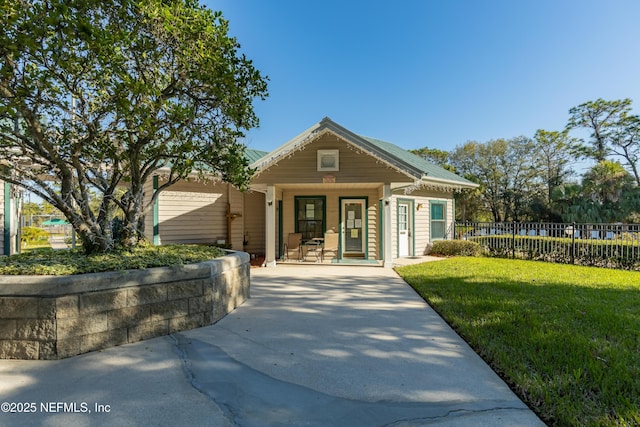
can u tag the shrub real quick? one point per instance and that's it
(74, 261)
(31, 235)
(455, 248)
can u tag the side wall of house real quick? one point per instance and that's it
(192, 212)
(196, 212)
(236, 210)
(421, 217)
(254, 222)
(148, 219)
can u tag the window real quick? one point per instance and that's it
(403, 217)
(438, 221)
(328, 160)
(310, 213)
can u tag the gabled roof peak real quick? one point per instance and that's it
(400, 159)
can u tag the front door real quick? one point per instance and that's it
(404, 229)
(354, 227)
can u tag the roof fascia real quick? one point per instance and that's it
(428, 182)
(294, 144)
(450, 182)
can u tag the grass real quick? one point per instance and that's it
(565, 338)
(60, 262)
(33, 246)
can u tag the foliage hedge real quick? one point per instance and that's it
(622, 254)
(455, 248)
(47, 261)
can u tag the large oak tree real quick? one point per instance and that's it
(507, 179)
(100, 95)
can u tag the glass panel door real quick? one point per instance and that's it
(354, 227)
(403, 229)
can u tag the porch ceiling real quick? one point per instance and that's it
(355, 186)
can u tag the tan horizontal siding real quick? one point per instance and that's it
(422, 227)
(422, 220)
(355, 166)
(148, 219)
(372, 228)
(236, 201)
(254, 222)
(191, 212)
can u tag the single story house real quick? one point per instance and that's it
(9, 219)
(382, 201)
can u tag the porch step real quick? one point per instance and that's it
(357, 255)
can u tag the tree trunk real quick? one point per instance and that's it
(94, 239)
(133, 227)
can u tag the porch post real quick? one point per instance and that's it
(386, 226)
(270, 226)
(7, 219)
(155, 213)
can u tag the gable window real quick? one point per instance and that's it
(310, 216)
(438, 221)
(328, 160)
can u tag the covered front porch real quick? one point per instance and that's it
(328, 223)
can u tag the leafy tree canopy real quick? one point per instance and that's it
(608, 194)
(97, 95)
(603, 118)
(506, 180)
(435, 156)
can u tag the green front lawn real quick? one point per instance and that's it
(566, 338)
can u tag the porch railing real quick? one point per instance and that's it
(604, 245)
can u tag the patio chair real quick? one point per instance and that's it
(330, 244)
(292, 246)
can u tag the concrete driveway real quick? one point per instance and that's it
(314, 346)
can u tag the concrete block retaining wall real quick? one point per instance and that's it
(53, 317)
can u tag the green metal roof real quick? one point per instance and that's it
(254, 155)
(430, 169)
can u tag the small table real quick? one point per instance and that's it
(313, 246)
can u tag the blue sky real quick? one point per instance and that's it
(434, 73)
